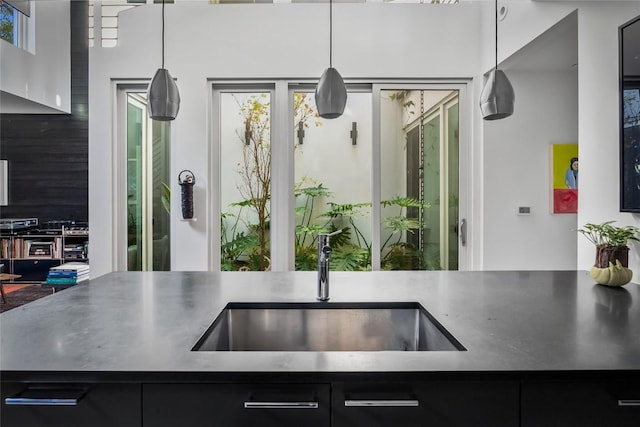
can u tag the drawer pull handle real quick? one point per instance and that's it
(381, 403)
(46, 397)
(629, 402)
(280, 405)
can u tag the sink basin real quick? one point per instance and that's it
(325, 326)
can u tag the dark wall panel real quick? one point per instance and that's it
(49, 153)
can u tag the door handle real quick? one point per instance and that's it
(395, 403)
(629, 402)
(463, 232)
(280, 405)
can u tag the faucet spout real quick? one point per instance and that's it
(324, 254)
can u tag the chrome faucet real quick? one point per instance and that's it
(324, 254)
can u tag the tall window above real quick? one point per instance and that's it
(14, 21)
(8, 23)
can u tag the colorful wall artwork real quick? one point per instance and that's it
(564, 164)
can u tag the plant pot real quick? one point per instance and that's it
(606, 255)
(613, 275)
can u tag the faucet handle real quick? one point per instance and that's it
(338, 231)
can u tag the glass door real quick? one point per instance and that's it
(419, 180)
(148, 194)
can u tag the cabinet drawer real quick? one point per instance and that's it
(239, 405)
(584, 404)
(442, 403)
(70, 405)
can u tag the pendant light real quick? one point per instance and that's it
(163, 96)
(497, 97)
(331, 93)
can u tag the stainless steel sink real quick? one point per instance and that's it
(325, 326)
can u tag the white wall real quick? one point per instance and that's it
(598, 126)
(386, 41)
(231, 42)
(517, 173)
(39, 82)
(599, 123)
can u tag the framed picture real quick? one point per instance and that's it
(564, 167)
(630, 116)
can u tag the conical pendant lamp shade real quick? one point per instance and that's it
(163, 97)
(331, 94)
(497, 97)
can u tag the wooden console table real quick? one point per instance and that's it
(3, 277)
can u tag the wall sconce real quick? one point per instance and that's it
(247, 132)
(300, 132)
(187, 180)
(4, 182)
(354, 133)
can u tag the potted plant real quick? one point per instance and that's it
(612, 253)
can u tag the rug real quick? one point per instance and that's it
(23, 296)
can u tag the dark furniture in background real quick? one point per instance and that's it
(30, 253)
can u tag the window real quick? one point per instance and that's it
(281, 175)
(8, 23)
(14, 24)
(332, 181)
(245, 178)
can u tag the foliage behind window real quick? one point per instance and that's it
(7, 22)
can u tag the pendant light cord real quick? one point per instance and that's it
(163, 33)
(496, 34)
(331, 33)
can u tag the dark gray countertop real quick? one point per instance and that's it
(148, 322)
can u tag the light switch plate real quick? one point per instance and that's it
(524, 210)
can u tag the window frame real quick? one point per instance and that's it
(282, 182)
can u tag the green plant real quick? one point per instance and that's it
(245, 243)
(342, 216)
(166, 198)
(397, 254)
(606, 234)
(255, 167)
(610, 241)
(248, 246)
(6, 22)
(305, 229)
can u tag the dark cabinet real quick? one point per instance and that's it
(379, 403)
(33, 270)
(236, 405)
(70, 405)
(584, 404)
(437, 403)
(31, 253)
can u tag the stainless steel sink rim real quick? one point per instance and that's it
(324, 326)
